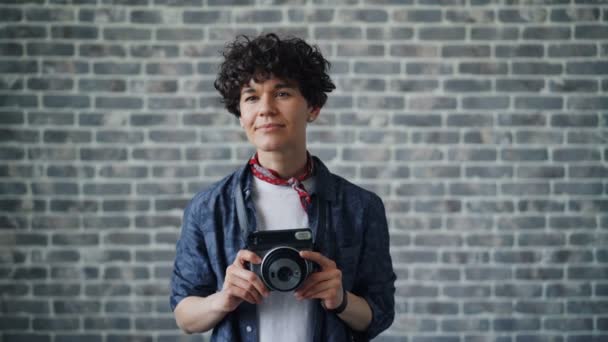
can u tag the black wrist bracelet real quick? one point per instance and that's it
(340, 308)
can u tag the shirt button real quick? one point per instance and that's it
(248, 328)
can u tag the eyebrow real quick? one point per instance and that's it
(248, 89)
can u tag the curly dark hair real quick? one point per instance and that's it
(266, 56)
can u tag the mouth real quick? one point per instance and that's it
(270, 126)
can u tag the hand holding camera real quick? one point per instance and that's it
(325, 284)
(241, 284)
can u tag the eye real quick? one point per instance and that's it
(283, 94)
(250, 98)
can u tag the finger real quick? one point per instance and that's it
(244, 256)
(320, 287)
(241, 294)
(329, 297)
(250, 290)
(318, 277)
(250, 278)
(318, 258)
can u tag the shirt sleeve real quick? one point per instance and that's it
(375, 280)
(192, 272)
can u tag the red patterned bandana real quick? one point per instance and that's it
(272, 177)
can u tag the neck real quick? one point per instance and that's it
(286, 165)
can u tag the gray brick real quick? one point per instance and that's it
(418, 154)
(27, 337)
(103, 154)
(573, 85)
(11, 14)
(146, 17)
(111, 68)
(467, 85)
(575, 155)
(118, 102)
(588, 307)
(188, 3)
(14, 323)
(154, 51)
(444, 308)
(55, 324)
(11, 49)
(126, 33)
(75, 306)
(209, 16)
(18, 101)
(22, 32)
(537, 68)
(50, 49)
(467, 291)
(470, 16)
(377, 68)
(66, 101)
(381, 103)
(257, 16)
(523, 15)
(125, 205)
(494, 33)
(546, 33)
(413, 15)
(568, 290)
(180, 34)
(408, 50)
(49, 83)
(14, 66)
(352, 50)
(64, 66)
(516, 324)
(114, 14)
(127, 238)
(587, 68)
(77, 337)
(483, 68)
(136, 337)
(74, 32)
(95, 85)
(575, 14)
(590, 32)
(441, 33)
(470, 51)
(362, 15)
(579, 189)
(449, 206)
(572, 50)
(588, 103)
(520, 50)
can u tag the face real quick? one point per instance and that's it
(274, 115)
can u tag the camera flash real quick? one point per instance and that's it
(303, 235)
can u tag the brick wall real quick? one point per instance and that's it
(481, 124)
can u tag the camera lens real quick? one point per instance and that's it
(283, 269)
(285, 273)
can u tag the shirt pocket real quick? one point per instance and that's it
(347, 261)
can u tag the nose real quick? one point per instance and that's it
(266, 106)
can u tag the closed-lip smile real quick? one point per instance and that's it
(270, 125)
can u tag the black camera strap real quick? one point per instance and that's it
(240, 210)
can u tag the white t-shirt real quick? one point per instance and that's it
(281, 316)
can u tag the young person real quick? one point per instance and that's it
(276, 88)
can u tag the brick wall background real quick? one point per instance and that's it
(481, 124)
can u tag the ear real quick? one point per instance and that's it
(314, 113)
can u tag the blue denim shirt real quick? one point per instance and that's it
(354, 234)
